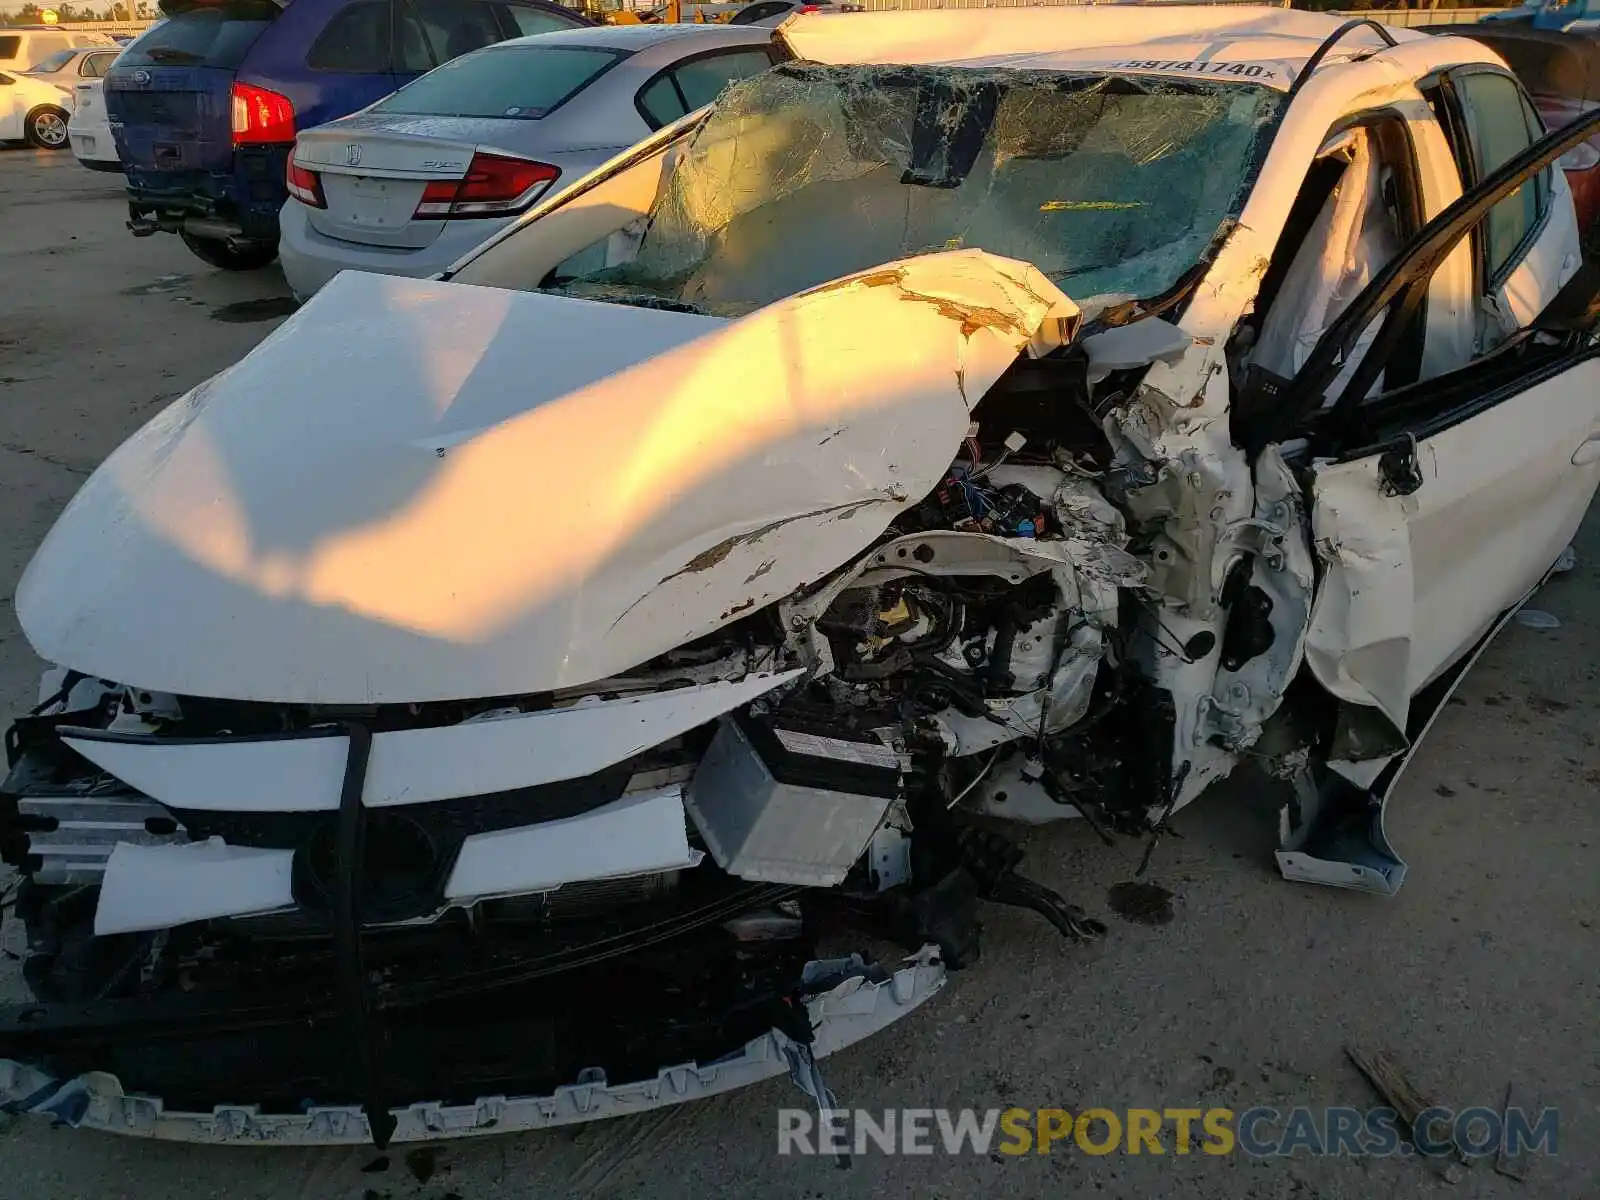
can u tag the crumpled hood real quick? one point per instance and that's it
(419, 491)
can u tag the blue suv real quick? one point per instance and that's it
(204, 106)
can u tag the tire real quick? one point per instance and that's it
(230, 256)
(46, 128)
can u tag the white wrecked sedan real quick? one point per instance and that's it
(512, 700)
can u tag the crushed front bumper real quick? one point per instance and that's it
(855, 1007)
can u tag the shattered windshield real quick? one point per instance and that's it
(1113, 186)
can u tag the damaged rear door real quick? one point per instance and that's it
(1436, 508)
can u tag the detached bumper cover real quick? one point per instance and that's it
(853, 1009)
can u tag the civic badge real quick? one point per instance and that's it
(352, 154)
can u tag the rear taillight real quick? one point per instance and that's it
(261, 116)
(305, 186)
(493, 185)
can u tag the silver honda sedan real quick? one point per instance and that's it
(409, 184)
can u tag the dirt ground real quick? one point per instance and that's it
(1481, 972)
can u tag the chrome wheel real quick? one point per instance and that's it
(50, 130)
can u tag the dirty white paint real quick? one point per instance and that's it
(1243, 44)
(423, 491)
(160, 887)
(414, 766)
(635, 835)
(1410, 583)
(1359, 643)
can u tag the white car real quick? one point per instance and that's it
(66, 67)
(33, 112)
(24, 49)
(90, 127)
(528, 696)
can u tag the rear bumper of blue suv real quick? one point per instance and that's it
(240, 204)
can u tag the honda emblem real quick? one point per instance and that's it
(352, 154)
(141, 77)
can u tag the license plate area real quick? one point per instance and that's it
(366, 202)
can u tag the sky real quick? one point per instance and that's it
(11, 6)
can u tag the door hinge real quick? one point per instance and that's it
(1398, 471)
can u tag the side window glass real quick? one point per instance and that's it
(413, 53)
(529, 21)
(355, 41)
(456, 27)
(661, 103)
(702, 80)
(54, 63)
(759, 12)
(1498, 127)
(94, 65)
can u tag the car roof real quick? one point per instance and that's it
(1242, 43)
(642, 37)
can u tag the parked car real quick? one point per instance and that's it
(33, 112)
(1554, 15)
(89, 129)
(205, 107)
(478, 708)
(1561, 72)
(772, 12)
(411, 183)
(66, 67)
(23, 48)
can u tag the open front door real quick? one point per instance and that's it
(1437, 508)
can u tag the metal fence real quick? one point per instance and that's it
(1411, 18)
(123, 27)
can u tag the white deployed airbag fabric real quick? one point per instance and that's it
(1351, 240)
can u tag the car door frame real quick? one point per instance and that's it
(1501, 289)
(89, 56)
(1333, 832)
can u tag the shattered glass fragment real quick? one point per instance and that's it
(1108, 184)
